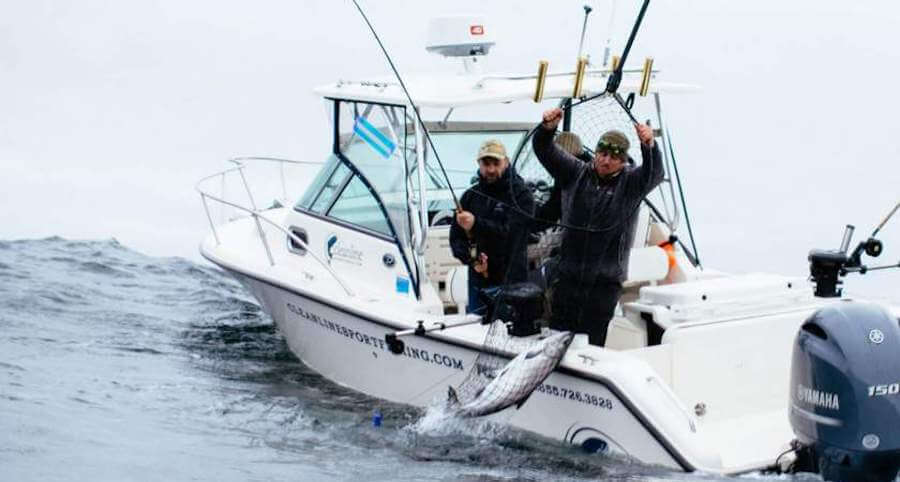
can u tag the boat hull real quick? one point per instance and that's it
(350, 350)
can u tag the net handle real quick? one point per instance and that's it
(612, 85)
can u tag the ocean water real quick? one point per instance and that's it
(119, 366)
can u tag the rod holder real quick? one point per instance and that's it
(614, 64)
(541, 79)
(645, 78)
(580, 68)
(848, 235)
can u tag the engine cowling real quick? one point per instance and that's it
(845, 392)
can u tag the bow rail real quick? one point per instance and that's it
(205, 189)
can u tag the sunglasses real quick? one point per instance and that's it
(611, 149)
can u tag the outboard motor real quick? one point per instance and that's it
(845, 393)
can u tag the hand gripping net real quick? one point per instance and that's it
(590, 118)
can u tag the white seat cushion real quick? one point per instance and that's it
(650, 263)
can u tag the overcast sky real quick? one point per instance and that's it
(110, 111)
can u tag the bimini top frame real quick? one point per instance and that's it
(450, 92)
(447, 92)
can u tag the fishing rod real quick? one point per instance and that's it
(425, 129)
(393, 340)
(886, 219)
(687, 218)
(411, 103)
(692, 257)
(871, 246)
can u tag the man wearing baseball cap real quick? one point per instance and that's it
(600, 202)
(493, 219)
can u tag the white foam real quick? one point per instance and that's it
(440, 421)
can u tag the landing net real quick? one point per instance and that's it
(590, 118)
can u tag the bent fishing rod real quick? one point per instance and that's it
(612, 85)
(411, 103)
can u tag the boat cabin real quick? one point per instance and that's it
(694, 359)
(382, 199)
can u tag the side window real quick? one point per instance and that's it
(356, 205)
(315, 186)
(326, 191)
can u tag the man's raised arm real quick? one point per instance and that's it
(650, 173)
(559, 163)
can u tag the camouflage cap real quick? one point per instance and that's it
(615, 143)
(492, 148)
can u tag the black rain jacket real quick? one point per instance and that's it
(607, 206)
(500, 228)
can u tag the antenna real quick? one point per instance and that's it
(587, 11)
(609, 29)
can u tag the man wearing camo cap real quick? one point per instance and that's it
(600, 202)
(492, 219)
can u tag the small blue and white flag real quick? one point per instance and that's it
(379, 142)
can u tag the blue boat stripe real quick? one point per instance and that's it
(377, 133)
(374, 145)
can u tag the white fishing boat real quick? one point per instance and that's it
(357, 273)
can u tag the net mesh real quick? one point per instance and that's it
(488, 363)
(590, 118)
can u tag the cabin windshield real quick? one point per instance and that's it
(457, 144)
(337, 193)
(364, 182)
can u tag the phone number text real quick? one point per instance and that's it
(575, 395)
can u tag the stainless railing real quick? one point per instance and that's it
(258, 215)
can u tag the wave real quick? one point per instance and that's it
(164, 340)
(104, 269)
(97, 263)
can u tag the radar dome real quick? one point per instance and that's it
(459, 36)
